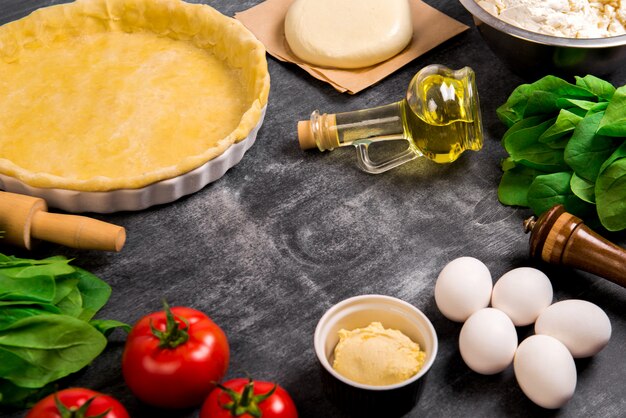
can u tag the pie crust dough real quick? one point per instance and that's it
(99, 95)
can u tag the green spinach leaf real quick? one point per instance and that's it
(528, 123)
(524, 147)
(64, 285)
(614, 121)
(33, 288)
(71, 304)
(575, 105)
(94, 291)
(565, 124)
(620, 152)
(37, 350)
(11, 314)
(512, 111)
(598, 107)
(541, 103)
(611, 195)
(53, 266)
(539, 97)
(544, 94)
(508, 164)
(48, 307)
(107, 326)
(602, 89)
(514, 185)
(19, 397)
(552, 189)
(586, 151)
(583, 189)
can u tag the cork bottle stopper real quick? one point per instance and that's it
(305, 135)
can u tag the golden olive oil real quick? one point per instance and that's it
(440, 118)
(445, 126)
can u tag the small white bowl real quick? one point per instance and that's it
(359, 312)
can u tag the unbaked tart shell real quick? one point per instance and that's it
(102, 96)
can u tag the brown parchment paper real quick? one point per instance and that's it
(430, 28)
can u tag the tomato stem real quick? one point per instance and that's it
(74, 412)
(174, 335)
(245, 402)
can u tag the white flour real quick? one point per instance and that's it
(564, 18)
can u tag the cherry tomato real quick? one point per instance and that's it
(245, 398)
(78, 403)
(173, 358)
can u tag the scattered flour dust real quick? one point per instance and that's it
(563, 18)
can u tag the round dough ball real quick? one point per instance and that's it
(463, 287)
(522, 294)
(348, 33)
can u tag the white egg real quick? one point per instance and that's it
(545, 371)
(463, 287)
(488, 341)
(583, 327)
(522, 294)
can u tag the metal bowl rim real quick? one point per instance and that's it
(487, 18)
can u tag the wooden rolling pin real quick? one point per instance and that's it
(561, 238)
(25, 218)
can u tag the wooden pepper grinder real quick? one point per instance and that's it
(558, 237)
(24, 218)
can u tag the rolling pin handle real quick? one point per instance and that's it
(25, 218)
(16, 213)
(77, 232)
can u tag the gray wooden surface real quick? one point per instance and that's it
(286, 234)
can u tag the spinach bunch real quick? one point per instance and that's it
(567, 145)
(47, 330)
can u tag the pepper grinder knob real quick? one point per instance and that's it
(558, 237)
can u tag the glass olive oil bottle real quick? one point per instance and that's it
(439, 117)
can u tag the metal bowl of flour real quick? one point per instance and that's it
(531, 54)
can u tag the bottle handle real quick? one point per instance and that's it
(369, 166)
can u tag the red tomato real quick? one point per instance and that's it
(245, 398)
(72, 400)
(173, 358)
